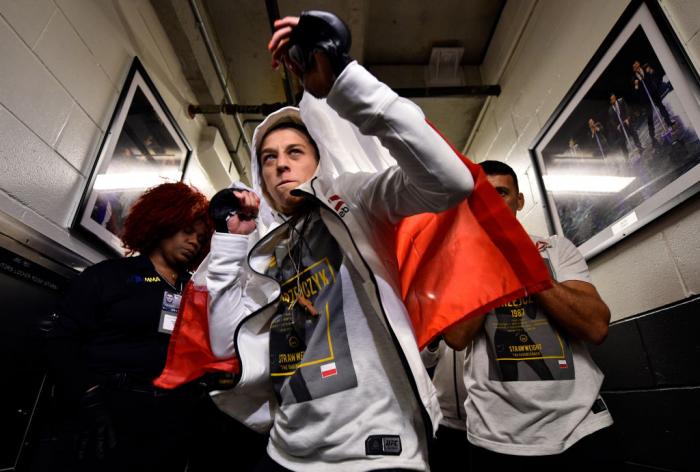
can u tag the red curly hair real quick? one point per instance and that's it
(160, 213)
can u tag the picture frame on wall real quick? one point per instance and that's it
(623, 147)
(142, 147)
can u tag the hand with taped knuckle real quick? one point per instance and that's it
(314, 46)
(96, 436)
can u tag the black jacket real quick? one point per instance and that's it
(108, 323)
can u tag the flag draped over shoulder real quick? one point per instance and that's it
(453, 265)
(465, 261)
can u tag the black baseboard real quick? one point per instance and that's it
(652, 386)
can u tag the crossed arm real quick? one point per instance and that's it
(575, 306)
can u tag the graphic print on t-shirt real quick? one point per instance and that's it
(524, 345)
(309, 352)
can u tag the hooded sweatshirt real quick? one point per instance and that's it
(345, 388)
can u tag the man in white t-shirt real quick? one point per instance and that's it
(533, 389)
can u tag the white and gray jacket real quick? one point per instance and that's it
(360, 211)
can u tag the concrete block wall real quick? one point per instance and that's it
(63, 66)
(538, 50)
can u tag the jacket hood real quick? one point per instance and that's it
(342, 148)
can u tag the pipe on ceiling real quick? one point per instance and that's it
(262, 109)
(220, 75)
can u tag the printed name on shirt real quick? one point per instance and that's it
(527, 349)
(288, 346)
(290, 360)
(518, 302)
(311, 283)
(137, 279)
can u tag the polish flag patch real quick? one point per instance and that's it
(563, 364)
(328, 370)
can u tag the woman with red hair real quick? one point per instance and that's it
(111, 335)
(164, 217)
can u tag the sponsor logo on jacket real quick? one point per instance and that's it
(340, 207)
(137, 279)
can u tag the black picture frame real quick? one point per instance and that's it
(622, 148)
(142, 147)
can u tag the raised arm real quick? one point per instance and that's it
(429, 177)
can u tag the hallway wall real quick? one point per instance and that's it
(553, 41)
(63, 66)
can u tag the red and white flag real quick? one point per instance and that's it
(328, 370)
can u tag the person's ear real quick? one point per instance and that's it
(521, 201)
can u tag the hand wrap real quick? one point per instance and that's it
(320, 31)
(221, 206)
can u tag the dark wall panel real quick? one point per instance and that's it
(659, 427)
(672, 340)
(652, 386)
(623, 359)
(28, 295)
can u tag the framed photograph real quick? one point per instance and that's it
(623, 146)
(143, 147)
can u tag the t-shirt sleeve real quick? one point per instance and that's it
(570, 263)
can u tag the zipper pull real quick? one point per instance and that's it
(307, 305)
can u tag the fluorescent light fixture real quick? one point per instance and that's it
(579, 155)
(586, 183)
(134, 180)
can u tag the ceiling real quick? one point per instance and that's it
(393, 39)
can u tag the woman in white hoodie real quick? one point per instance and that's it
(303, 287)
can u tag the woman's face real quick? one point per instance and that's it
(180, 249)
(287, 159)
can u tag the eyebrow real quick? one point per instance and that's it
(289, 146)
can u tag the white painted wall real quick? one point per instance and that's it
(63, 63)
(539, 49)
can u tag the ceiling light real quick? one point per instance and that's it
(444, 69)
